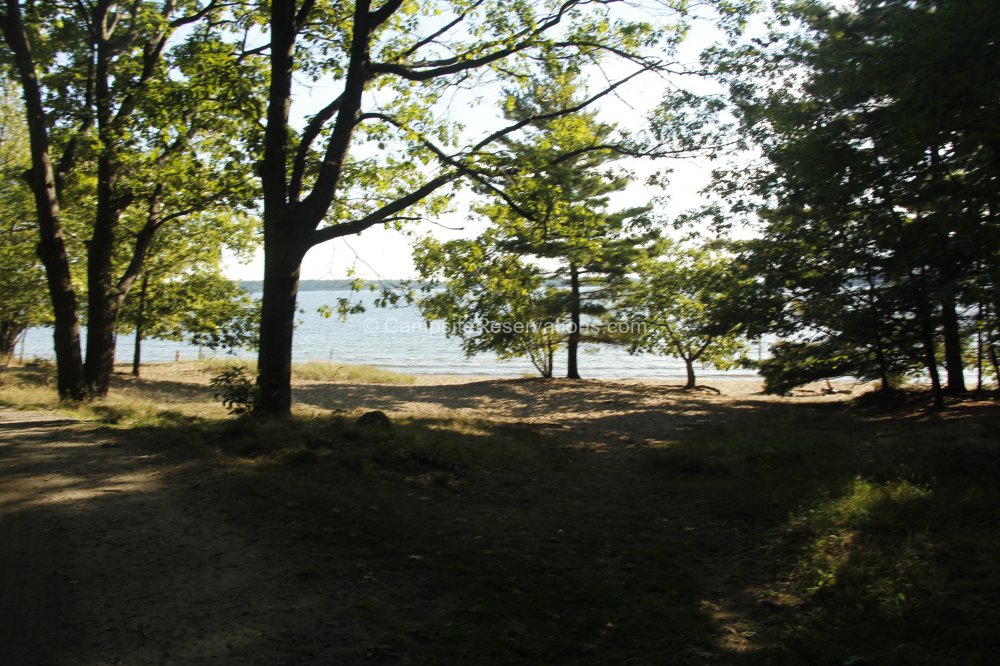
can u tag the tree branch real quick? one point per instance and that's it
(197, 16)
(309, 135)
(383, 13)
(499, 134)
(314, 207)
(463, 62)
(381, 215)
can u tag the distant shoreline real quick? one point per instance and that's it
(257, 286)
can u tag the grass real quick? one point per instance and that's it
(323, 371)
(786, 534)
(799, 536)
(877, 536)
(127, 405)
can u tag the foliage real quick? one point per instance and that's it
(493, 303)
(554, 251)
(22, 280)
(237, 388)
(876, 191)
(680, 304)
(211, 310)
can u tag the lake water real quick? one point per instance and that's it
(398, 340)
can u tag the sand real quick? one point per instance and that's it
(627, 408)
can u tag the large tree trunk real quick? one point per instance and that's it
(70, 382)
(952, 346)
(277, 322)
(51, 248)
(102, 297)
(281, 267)
(573, 342)
(102, 313)
(104, 302)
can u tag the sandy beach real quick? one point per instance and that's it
(640, 409)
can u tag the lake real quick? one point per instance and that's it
(398, 340)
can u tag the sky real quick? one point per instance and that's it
(380, 253)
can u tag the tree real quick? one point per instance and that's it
(395, 65)
(679, 304)
(551, 197)
(124, 102)
(878, 189)
(554, 253)
(183, 292)
(493, 304)
(21, 276)
(202, 306)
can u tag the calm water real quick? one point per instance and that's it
(398, 340)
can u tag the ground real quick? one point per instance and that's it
(504, 521)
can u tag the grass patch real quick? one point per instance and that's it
(125, 407)
(323, 371)
(869, 538)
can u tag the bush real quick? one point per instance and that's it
(237, 388)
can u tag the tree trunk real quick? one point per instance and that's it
(100, 363)
(51, 248)
(277, 322)
(995, 362)
(689, 366)
(10, 331)
(883, 368)
(102, 297)
(573, 342)
(954, 365)
(930, 357)
(980, 347)
(70, 381)
(140, 322)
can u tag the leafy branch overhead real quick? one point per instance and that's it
(387, 142)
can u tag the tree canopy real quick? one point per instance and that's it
(138, 115)
(680, 303)
(877, 185)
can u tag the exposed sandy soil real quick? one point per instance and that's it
(113, 552)
(642, 409)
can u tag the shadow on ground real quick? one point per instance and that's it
(686, 531)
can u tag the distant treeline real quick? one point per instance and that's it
(256, 286)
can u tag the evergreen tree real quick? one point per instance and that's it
(878, 184)
(550, 218)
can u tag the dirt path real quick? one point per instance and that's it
(118, 551)
(113, 553)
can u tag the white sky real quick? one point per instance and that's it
(380, 253)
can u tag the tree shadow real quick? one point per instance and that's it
(699, 537)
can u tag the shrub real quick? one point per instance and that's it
(237, 387)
